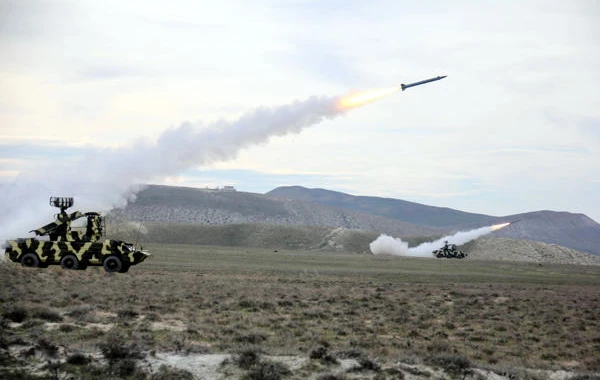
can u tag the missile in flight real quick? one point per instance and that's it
(405, 86)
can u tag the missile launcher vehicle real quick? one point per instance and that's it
(449, 251)
(74, 248)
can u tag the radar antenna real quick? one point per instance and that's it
(61, 202)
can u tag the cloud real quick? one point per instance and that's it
(107, 71)
(38, 150)
(513, 120)
(247, 180)
(324, 61)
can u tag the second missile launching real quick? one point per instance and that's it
(405, 86)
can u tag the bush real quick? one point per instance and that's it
(321, 353)
(250, 338)
(79, 311)
(331, 377)
(115, 348)
(268, 370)
(48, 347)
(123, 367)
(46, 314)
(78, 359)
(66, 328)
(17, 314)
(127, 313)
(170, 373)
(368, 364)
(453, 364)
(247, 358)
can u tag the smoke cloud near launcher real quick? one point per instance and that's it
(102, 179)
(388, 245)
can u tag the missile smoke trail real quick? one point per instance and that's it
(107, 178)
(385, 244)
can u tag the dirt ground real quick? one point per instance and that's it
(209, 312)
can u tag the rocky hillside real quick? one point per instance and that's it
(219, 207)
(328, 239)
(410, 212)
(505, 249)
(575, 231)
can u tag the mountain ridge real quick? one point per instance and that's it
(170, 204)
(572, 230)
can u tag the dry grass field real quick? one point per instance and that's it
(292, 314)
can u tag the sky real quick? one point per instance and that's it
(515, 127)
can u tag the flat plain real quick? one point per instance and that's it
(392, 317)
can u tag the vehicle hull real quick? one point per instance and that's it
(87, 253)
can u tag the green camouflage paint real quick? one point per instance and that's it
(74, 249)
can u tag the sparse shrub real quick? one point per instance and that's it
(18, 374)
(247, 358)
(453, 364)
(115, 348)
(123, 368)
(152, 317)
(250, 338)
(46, 314)
(266, 305)
(196, 348)
(331, 377)
(321, 353)
(127, 313)
(48, 347)
(32, 322)
(17, 314)
(439, 346)
(390, 374)
(171, 373)
(248, 304)
(268, 370)
(3, 324)
(368, 364)
(78, 359)
(6, 359)
(66, 328)
(548, 356)
(79, 311)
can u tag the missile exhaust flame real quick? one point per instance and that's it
(106, 178)
(496, 227)
(361, 98)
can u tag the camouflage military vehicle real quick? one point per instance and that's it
(73, 249)
(449, 251)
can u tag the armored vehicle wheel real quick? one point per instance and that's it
(69, 262)
(125, 267)
(112, 264)
(30, 260)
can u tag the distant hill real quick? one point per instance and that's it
(220, 207)
(410, 212)
(575, 231)
(297, 206)
(329, 239)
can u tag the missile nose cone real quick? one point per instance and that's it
(443, 77)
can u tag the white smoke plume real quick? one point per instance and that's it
(107, 178)
(385, 244)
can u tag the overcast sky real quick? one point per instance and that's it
(515, 126)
